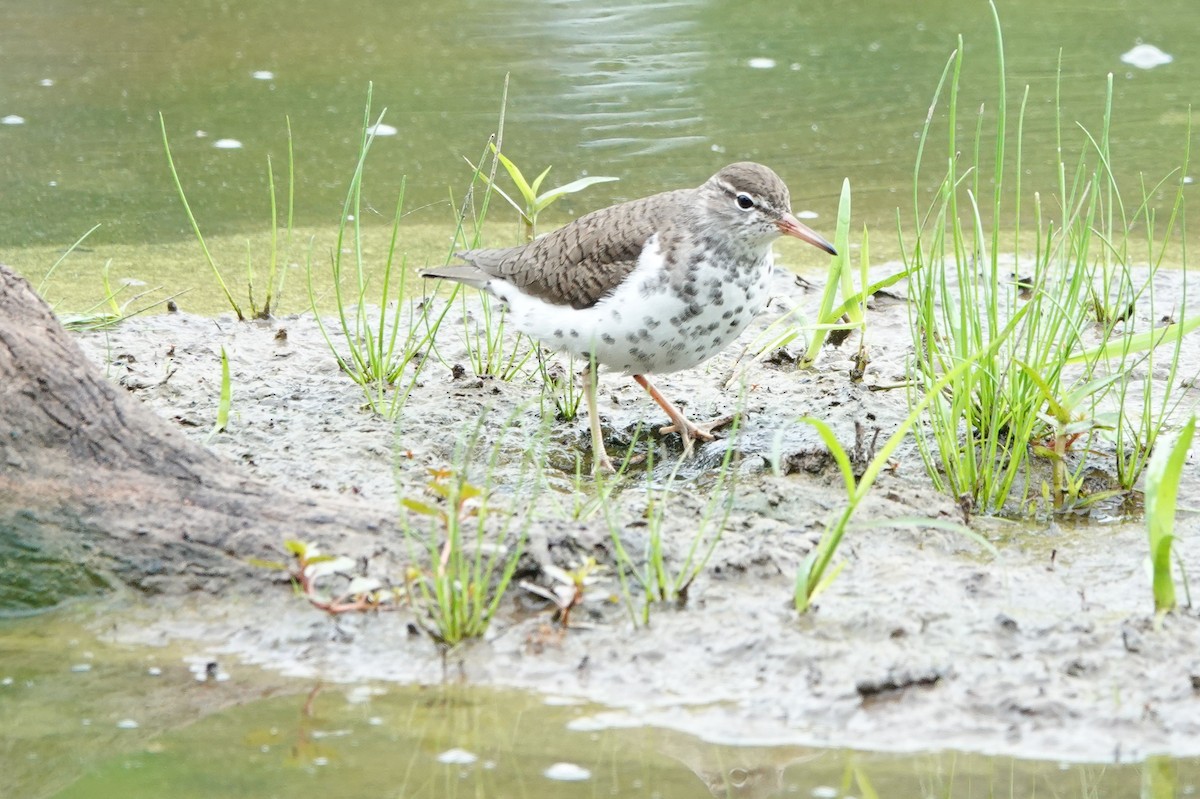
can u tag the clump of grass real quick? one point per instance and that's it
(1046, 383)
(559, 385)
(275, 276)
(652, 577)
(814, 574)
(381, 341)
(111, 310)
(832, 320)
(462, 566)
(1162, 488)
(490, 352)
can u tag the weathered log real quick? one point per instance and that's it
(95, 486)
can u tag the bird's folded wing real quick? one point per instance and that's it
(580, 263)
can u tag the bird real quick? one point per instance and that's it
(649, 286)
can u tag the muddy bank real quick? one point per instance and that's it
(925, 641)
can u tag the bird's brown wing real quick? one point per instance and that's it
(580, 263)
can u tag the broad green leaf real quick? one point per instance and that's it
(569, 188)
(875, 287)
(1162, 488)
(267, 564)
(416, 506)
(1164, 586)
(1078, 394)
(517, 178)
(537, 183)
(516, 205)
(298, 548)
(1137, 343)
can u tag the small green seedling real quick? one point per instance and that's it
(456, 594)
(568, 589)
(225, 400)
(1162, 488)
(309, 565)
(532, 203)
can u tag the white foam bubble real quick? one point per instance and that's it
(1147, 56)
(567, 772)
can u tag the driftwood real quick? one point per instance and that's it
(95, 486)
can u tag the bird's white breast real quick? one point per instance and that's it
(647, 324)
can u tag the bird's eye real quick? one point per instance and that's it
(745, 201)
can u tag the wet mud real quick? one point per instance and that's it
(926, 640)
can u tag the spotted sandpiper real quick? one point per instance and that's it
(653, 285)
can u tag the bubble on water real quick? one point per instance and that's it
(807, 215)
(382, 129)
(457, 757)
(1147, 56)
(127, 724)
(79, 668)
(263, 74)
(227, 144)
(761, 63)
(567, 772)
(12, 119)
(47, 82)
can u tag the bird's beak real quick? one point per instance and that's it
(789, 225)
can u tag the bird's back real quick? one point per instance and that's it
(581, 262)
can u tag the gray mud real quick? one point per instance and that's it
(925, 641)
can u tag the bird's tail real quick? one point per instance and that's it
(468, 275)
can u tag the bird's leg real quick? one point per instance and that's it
(679, 423)
(600, 459)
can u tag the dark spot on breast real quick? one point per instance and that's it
(558, 333)
(574, 333)
(608, 339)
(727, 315)
(651, 322)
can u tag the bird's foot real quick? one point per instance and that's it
(602, 464)
(690, 431)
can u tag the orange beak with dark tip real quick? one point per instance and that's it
(789, 225)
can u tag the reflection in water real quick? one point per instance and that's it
(624, 75)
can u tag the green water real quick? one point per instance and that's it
(83, 718)
(659, 95)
